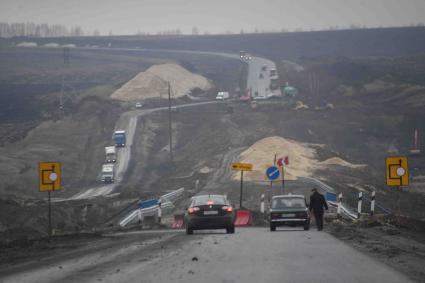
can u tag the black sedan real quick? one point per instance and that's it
(210, 212)
(289, 210)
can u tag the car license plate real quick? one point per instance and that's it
(288, 215)
(211, 212)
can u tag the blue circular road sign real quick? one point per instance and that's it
(272, 173)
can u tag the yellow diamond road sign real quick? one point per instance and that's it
(242, 166)
(397, 171)
(49, 176)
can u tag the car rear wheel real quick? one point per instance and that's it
(230, 230)
(189, 230)
(272, 227)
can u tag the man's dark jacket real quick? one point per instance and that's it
(317, 203)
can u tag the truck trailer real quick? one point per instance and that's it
(119, 138)
(222, 95)
(108, 174)
(110, 154)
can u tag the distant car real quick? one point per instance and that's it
(210, 212)
(272, 95)
(289, 210)
(139, 105)
(222, 95)
(260, 97)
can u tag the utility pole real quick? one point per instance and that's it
(65, 55)
(50, 216)
(169, 124)
(67, 90)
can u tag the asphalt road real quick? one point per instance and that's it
(250, 255)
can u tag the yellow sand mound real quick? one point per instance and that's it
(302, 159)
(154, 83)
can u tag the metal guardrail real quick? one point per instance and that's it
(330, 189)
(172, 195)
(166, 202)
(345, 210)
(153, 210)
(129, 218)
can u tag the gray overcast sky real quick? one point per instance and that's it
(128, 16)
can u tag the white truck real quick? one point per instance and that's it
(108, 173)
(111, 154)
(222, 95)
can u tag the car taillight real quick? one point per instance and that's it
(227, 208)
(192, 209)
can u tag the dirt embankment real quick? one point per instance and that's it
(154, 81)
(76, 140)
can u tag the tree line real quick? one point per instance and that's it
(40, 30)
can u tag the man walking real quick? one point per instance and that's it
(318, 204)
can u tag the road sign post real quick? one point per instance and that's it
(241, 167)
(282, 162)
(338, 211)
(49, 180)
(240, 195)
(397, 171)
(359, 205)
(272, 173)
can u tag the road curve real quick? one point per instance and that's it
(128, 120)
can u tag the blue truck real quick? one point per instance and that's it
(119, 138)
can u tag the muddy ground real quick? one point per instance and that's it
(398, 242)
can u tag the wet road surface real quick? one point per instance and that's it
(250, 255)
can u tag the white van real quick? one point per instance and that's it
(222, 95)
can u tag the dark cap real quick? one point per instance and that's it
(314, 190)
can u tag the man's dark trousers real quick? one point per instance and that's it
(319, 219)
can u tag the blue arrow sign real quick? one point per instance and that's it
(331, 196)
(272, 173)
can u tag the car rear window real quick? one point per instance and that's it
(288, 203)
(202, 200)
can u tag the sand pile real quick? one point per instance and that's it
(340, 162)
(302, 159)
(153, 83)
